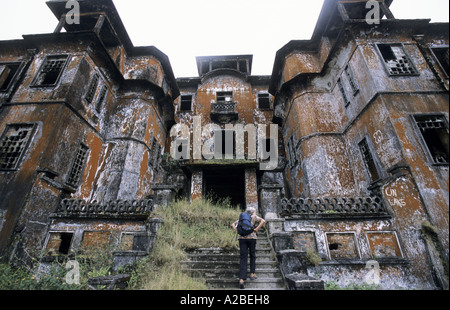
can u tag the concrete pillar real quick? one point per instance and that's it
(251, 188)
(196, 184)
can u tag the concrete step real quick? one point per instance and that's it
(232, 273)
(261, 283)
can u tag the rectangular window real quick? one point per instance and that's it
(264, 101)
(368, 160)
(101, 98)
(13, 143)
(92, 88)
(351, 78)
(77, 168)
(225, 96)
(7, 74)
(59, 243)
(396, 60)
(434, 132)
(186, 103)
(51, 71)
(441, 54)
(343, 93)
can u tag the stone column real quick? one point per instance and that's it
(251, 188)
(196, 184)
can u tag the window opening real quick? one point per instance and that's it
(13, 143)
(7, 73)
(396, 60)
(442, 56)
(186, 103)
(66, 241)
(264, 101)
(351, 78)
(343, 93)
(101, 98)
(78, 166)
(368, 160)
(92, 88)
(434, 131)
(224, 97)
(51, 71)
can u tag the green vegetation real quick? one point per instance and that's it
(186, 227)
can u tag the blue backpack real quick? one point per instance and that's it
(244, 226)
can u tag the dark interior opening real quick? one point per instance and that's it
(225, 182)
(333, 246)
(66, 240)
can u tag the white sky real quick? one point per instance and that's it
(184, 29)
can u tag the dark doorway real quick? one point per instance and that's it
(222, 182)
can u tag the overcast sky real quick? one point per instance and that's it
(184, 29)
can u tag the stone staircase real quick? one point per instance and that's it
(221, 269)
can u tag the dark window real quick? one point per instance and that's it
(368, 160)
(224, 96)
(351, 78)
(76, 170)
(343, 93)
(396, 60)
(66, 241)
(441, 54)
(50, 71)
(92, 88)
(186, 103)
(434, 131)
(14, 141)
(264, 101)
(243, 66)
(101, 98)
(7, 74)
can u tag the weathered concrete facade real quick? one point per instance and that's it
(357, 118)
(351, 129)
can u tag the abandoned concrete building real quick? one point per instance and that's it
(360, 111)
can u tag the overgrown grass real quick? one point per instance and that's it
(186, 226)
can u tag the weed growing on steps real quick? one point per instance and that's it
(186, 226)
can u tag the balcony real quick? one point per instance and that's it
(224, 111)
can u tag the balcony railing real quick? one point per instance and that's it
(112, 209)
(368, 207)
(223, 111)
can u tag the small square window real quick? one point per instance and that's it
(434, 132)
(225, 97)
(186, 103)
(51, 71)
(13, 143)
(264, 101)
(396, 60)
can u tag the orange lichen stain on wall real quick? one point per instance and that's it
(95, 145)
(144, 177)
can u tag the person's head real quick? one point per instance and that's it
(250, 210)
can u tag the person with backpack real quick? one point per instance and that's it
(247, 236)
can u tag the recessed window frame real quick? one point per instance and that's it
(422, 139)
(75, 181)
(183, 102)
(221, 96)
(25, 148)
(367, 143)
(36, 83)
(406, 55)
(262, 96)
(12, 77)
(437, 59)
